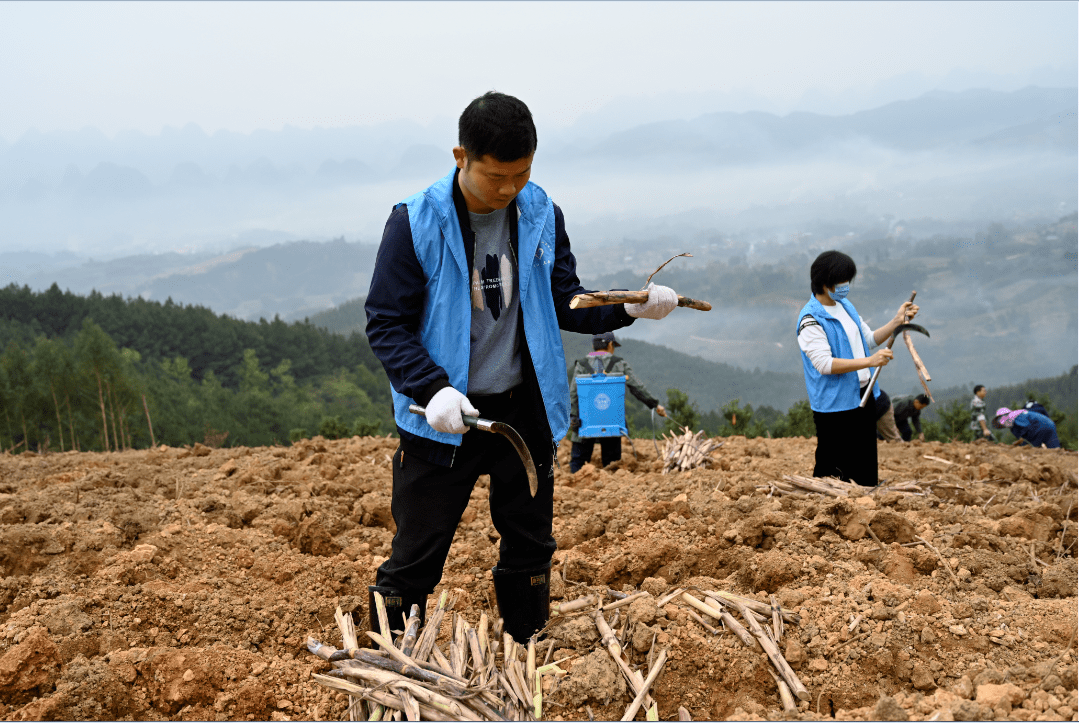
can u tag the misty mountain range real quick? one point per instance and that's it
(943, 154)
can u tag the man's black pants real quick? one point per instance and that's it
(428, 499)
(847, 445)
(610, 449)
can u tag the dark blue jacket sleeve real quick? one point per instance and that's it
(565, 285)
(394, 308)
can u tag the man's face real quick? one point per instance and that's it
(489, 184)
(919, 405)
(981, 393)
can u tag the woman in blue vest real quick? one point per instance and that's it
(835, 342)
(472, 283)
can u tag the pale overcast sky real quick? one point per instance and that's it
(262, 65)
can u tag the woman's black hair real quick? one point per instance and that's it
(978, 388)
(829, 269)
(499, 125)
(923, 399)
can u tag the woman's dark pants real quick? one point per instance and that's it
(847, 445)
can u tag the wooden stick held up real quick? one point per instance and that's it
(609, 298)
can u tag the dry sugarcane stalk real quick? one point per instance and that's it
(763, 609)
(402, 684)
(430, 629)
(524, 686)
(615, 650)
(537, 697)
(651, 711)
(631, 711)
(777, 619)
(483, 662)
(530, 660)
(698, 604)
(383, 619)
(729, 604)
(700, 620)
(386, 700)
(670, 596)
(412, 627)
(442, 682)
(683, 714)
(625, 601)
(733, 625)
(573, 606)
(348, 639)
(607, 298)
(775, 656)
(409, 705)
(785, 695)
(319, 649)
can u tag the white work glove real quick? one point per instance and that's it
(445, 409)
(661, 301)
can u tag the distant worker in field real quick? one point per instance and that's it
(1028, 426)
(908, 412)
(834, 341)
(977, 416)
(886, 429)
(472, 282)
(602, 359)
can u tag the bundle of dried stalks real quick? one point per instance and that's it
(481, 673)
(832, 487)
(686, 451)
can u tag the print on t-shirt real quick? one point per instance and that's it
(492, 287)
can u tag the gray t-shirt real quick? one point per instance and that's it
(494, 364)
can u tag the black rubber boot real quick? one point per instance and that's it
(524, 600)
(397, 603)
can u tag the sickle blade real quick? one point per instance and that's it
(506, 431)
(910, 327)
(522, 451)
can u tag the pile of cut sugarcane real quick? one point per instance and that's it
(795, 485)
(485, 675)
(687, 450)
(718, 606)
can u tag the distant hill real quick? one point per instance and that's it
(709, 384)
(292, 279)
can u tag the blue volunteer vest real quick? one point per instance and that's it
(445, 328)
(833, 392)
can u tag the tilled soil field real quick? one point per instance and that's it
(183, 583)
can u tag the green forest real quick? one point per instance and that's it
(104, 373)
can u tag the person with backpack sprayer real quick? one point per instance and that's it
(602, 359)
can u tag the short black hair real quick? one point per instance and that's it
(923, 399)
(499, 125)
(829, 269)
(978, 388)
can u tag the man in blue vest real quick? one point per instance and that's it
(471, 285)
